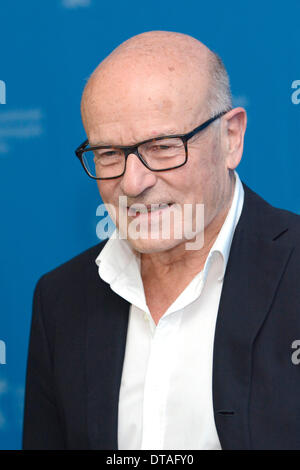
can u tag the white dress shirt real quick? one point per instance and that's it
(165, 399)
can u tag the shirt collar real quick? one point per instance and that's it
(118, 259)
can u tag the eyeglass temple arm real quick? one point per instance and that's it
(204, 125)
(82, 147)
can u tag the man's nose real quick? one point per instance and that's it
(137, 177)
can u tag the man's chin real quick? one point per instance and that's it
(153, 245)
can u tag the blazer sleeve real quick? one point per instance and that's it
(42, 426)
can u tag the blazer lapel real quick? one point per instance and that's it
(253, 272)
(106, 340)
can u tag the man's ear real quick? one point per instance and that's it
(233, 131)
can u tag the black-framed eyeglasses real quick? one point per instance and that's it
(103, 162)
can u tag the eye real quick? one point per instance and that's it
(108, 153)
(161, 147)
(111, 153)
(164, 144)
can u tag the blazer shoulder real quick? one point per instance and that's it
(265, 217)
(73, 271)
(290, 221)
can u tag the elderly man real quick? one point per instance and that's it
(169, 342)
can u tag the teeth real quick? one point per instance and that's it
(145, 210)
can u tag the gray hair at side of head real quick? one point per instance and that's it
(219, 95)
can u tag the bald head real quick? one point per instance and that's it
(157, 71)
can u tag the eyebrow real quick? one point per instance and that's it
(167, 133)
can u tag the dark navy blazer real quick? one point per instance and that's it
(78, 339)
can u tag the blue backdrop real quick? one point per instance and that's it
(47, 51)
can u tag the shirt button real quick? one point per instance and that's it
(146, 317)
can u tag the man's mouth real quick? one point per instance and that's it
(136, 211)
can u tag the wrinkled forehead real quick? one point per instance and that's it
(131, 90)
